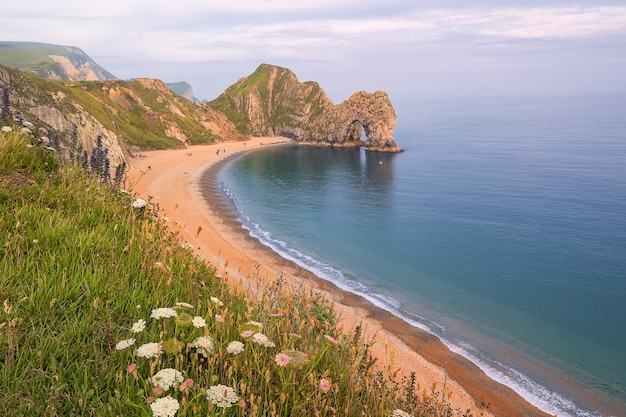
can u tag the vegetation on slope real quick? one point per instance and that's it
(104, 311)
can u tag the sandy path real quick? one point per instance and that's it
(172, 178)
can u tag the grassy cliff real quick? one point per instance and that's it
(105, 312)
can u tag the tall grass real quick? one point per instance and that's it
(82, 268)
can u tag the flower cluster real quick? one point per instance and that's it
(222, 396)
(203, 345)
(167, 378)
(165, 407)
(262, 340)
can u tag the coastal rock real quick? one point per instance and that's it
(272, 102)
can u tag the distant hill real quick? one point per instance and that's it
(55, 62)
(183, 89)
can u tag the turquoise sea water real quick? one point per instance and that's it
(501, 229)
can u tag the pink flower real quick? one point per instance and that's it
(150, 399)
(187, 383)
(276, 314)
(247, 333)
(324, 385)
(157, 390)
(331, 339)
(282, 359)
(131, 368)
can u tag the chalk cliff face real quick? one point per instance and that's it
(56, 62)
(271, 101)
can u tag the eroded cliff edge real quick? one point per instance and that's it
(272, 102)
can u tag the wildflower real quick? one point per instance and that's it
(6, 129)
(203, 345)
(150, 399)
(282, 359)
(167, 378)
(217, 301)
(298, 359)
(219, 318)
(221, 395)
(184, 320)
(149, 350)
(276, 314)
(139, 203)
(158, 390)
(138, 326)
(165, 407)
(261, 339)
(198, 322)
(247, 334)
(159, 313)
(131, 368)
(235, 347)
(187, 383)
(123, 344)
(256, 324)
(400, 413)
(331, 339)
(325, 385)
(187, 305)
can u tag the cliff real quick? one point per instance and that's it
(272, 102)
(56, 62)
(130, 116)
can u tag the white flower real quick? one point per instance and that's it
(6, 129)
(219, 318)
(164, 407)
(198, 322)
(139, 203)
(400, 413)
(217, 301)
(167, 378)
(221, 395)
(166, 312)
(184, 305)
(123, 344)
(149, 350)
(138, 326)
(204, 345)
(261, 339)
(235, 347)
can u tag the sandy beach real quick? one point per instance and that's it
(183, 183)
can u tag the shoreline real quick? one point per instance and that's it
(183, 182)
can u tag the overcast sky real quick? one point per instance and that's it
(406, 47)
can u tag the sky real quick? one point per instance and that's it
(409, 48)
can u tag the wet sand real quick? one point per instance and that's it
(183, 183)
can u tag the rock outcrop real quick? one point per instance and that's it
(272, 102)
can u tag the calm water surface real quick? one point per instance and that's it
(501, 228)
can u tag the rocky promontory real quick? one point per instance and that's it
(272, 102)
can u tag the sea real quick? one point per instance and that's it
(501, 229)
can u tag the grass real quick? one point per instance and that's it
(81, 268)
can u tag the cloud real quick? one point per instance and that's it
(345, 34)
